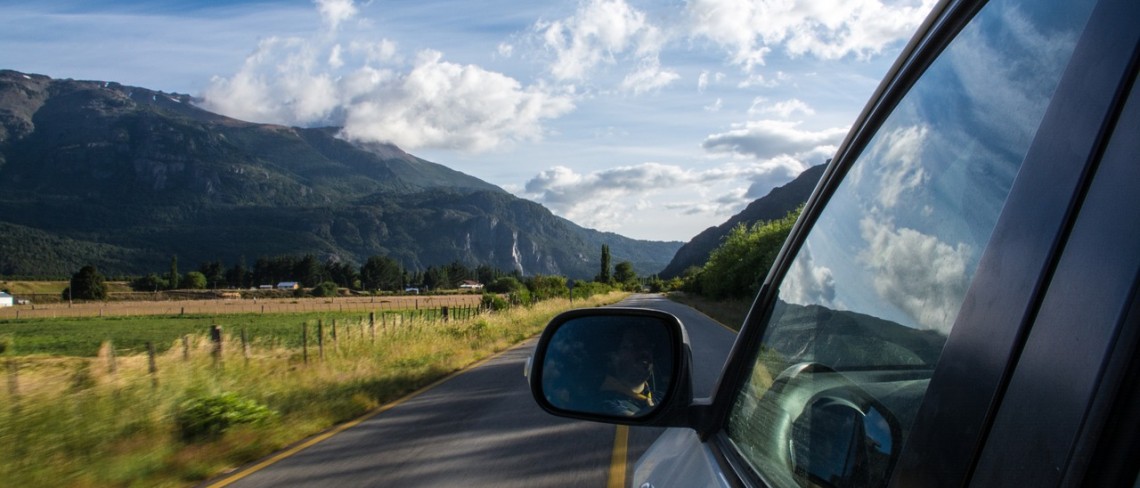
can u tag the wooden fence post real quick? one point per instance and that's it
(372, 325)
(305, 342)
(152, 367)
(13, 380)
(111, 366)
(321, 339)
(244, 346)
(216, 338)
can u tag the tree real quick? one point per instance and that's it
(457, 273)
(194, 280)
(325, 289)
(382, 273)
(151, 282)
(625, 275)
(436, 278)
(505, 284)
(87, 284)
(238, 275)
(308, 271)
(738, 267)
(340, 273)
(214, 272)
(486, 274)
(547, 287)
(173, 279)
(604, 275)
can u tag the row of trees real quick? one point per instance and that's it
(377, 273)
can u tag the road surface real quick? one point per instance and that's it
(482, 428)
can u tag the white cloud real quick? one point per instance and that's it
(764, 139)
(602, 32)
(333, 12)
(903, 149)
(606, 199)
(755, 80)
(374, 53)
(828, 29)
(365, 89)
(505, 49)
(808, 283)
(921, 275)
(784, 109)
(446, 105)
(280, 83)
(648, 77)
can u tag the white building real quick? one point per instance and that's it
(5, 300)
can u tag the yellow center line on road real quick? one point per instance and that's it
(618, 459)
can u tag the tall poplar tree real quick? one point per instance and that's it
(174, 277)
(604, 276)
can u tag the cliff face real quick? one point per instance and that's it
(123, 177)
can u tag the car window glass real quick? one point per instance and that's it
(867, 304)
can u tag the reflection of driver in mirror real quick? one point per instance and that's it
(627, 388)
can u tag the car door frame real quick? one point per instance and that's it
(966, 389)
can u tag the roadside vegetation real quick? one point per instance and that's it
(125, 417)
(725, 286)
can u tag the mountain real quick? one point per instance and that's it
(772, 206)
(123, 178)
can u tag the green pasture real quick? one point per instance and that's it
(82, 337)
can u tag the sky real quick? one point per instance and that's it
(651, 119)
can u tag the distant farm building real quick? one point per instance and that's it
(470, 285)
(5, 300)
(288, 285)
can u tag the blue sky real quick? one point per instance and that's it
(654, 120)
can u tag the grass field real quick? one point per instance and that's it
(52, 287)
(119, 418)
(83, 337)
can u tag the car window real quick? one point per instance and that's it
(872, 294)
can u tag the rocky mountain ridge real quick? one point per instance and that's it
(94, 172)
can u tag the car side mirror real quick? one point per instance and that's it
(616, 365)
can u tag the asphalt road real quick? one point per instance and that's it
(482, 428)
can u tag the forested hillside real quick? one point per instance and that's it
(120, 177)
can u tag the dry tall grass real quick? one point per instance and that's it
(110, 421)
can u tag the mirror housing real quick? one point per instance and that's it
(615, 365)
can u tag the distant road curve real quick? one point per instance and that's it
(481, 428)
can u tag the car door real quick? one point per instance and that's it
(880, 347)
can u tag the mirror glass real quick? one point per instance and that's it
(619, 366)
(835, 443)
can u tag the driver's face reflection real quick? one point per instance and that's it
(631, 362)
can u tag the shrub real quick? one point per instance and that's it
(325, 289)
(209, 416)
(505, 284)
(736, 269)
(194, 280)
(493, 302)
